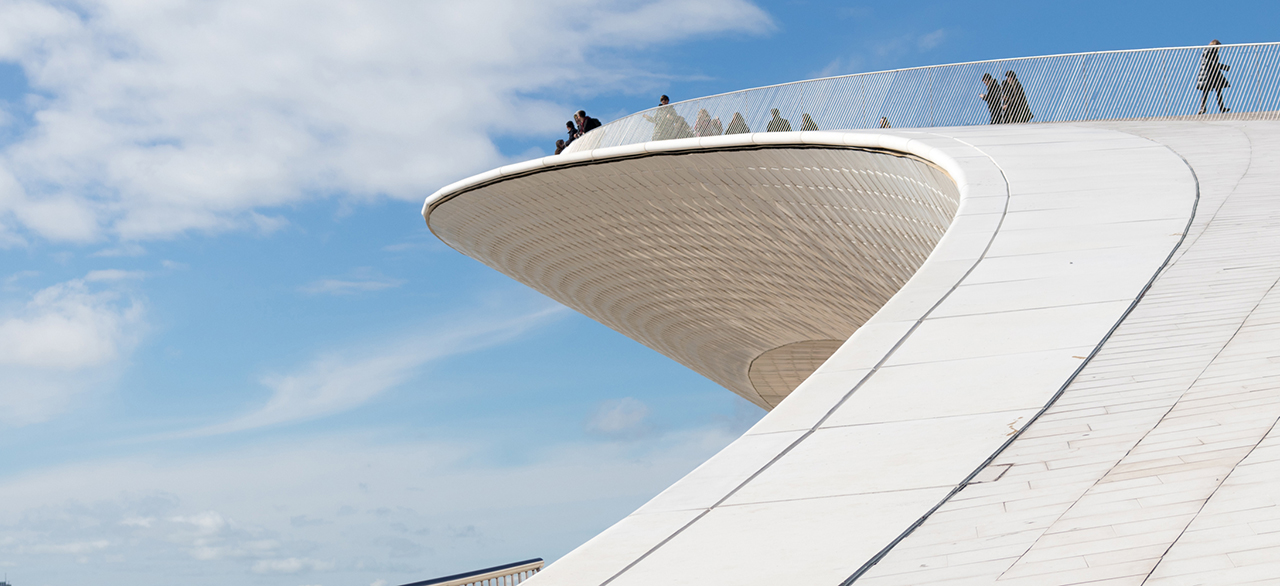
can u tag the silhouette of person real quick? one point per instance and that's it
(1015, 106)
(1211, 78)
(992, 98)
(667, 124)
(807, 123)
(778, 124)
(884, 122)
(573, 131)
(737, 125)
(706, 126)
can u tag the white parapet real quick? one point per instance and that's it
(1056, 347)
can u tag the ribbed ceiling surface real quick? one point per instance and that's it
(715, 258)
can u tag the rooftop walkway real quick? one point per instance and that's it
(1068, 374)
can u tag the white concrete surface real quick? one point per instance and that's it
(1113, 434)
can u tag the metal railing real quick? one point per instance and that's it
(504, 575)
(1140, 83)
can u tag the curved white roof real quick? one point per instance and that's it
(1079, 384)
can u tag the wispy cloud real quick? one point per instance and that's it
(398, 511)
(129, 142)
(18, 276)
(931, 40)
(361, 280)
(883, 52)
(337, 382)
(625, 418)
(125, 249)
(290, 566)
(66, 339)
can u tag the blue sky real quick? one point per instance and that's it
(230, 350)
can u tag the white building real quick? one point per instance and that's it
(1042, 353)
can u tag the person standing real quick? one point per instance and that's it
(778, 123)
(1211, 78)
(992, 97)
(663, 119)
(707, 126)
(1016, 110)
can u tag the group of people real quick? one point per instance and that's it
(580, 125)
(668, 124)
(1006, 101)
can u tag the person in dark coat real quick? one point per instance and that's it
(1016, 110)
(573, 131)
(1211, 77)
(737, 125)
(586, 123)
(778, 123)
(992, 97)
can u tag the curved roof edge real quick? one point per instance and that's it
(889, 141)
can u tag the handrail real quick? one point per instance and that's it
(1106, 85)
(504, 575)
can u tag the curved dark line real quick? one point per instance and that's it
(672, 153)
(1054, 399)
(853, 390)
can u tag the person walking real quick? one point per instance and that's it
(1016, 110)
(778, 123)
(992, 97)
(1211, 78)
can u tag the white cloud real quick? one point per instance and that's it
(931, 40)
(341, 381)
(138, 521)
(875, 53)
(399, 511)
(620, 418)
(66, 339)
(156, 118)
(68, 326)
(361, 280)
(290, 566)
(126, 249)
(112, 275)
(18, 276)
(81, 547)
